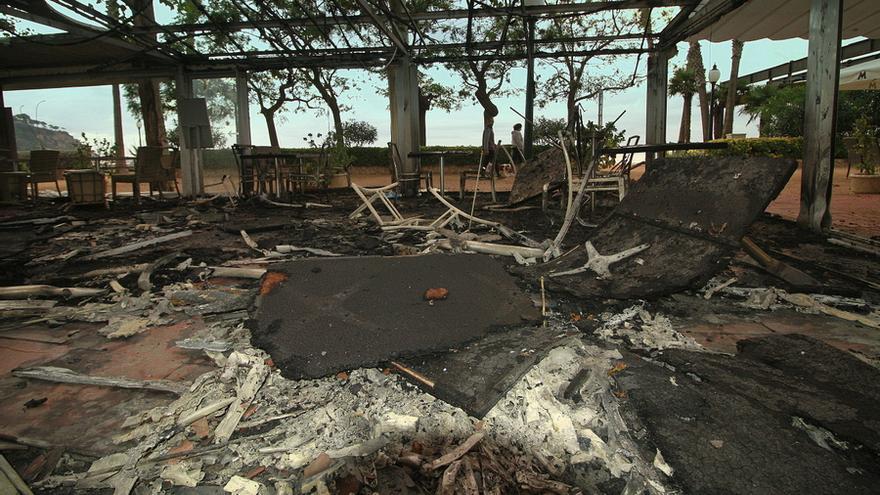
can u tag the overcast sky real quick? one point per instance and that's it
(89, 109)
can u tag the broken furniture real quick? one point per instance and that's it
(477, 175)
(319, 316)
(616, 179)
(148, 168)
(547, 168)
(442, 154)
(261, 166)
(13, 186)
(370, 195)
(44, 166)
(86, 187)
(463, 177)
(692, 212)
(311, 168)
(401, 177)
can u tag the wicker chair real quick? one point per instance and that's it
(148, 167)
(44, 166)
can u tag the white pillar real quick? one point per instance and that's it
(403, 90)
(655, 111)
(242, 109)
(190, 155)
(820, 113)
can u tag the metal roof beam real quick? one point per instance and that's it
(437, 15)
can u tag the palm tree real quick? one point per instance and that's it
(754, 104)
(684, 83)
(731, 90)
(695, 63)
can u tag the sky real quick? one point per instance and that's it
(89, 110)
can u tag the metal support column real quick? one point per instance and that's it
(528, 135)
(118, 135)
(190, 155)
(655, 111)
(820, 115)
(242, 110)
(403, 89)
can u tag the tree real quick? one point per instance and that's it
(695, 63)
(571, 80)
(271, 90)
(546, 131)
(484, 78)
(359, 133)
(754, 102)
(684, 83)
(219, 95)
(731, 89)
(780, 109)
(433, 94)
(330, 84)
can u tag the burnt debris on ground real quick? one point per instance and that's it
(202, 347)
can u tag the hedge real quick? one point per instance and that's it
(774, 147)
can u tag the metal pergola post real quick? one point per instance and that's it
(528, 134)
(820, 113)
(656, 102)
(242, 109)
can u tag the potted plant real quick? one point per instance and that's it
(867, 180)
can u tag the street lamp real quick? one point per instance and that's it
(37, 110)
(714, 76)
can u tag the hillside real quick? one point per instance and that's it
(32, 134)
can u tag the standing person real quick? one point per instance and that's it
(516, 139)
(488, 146)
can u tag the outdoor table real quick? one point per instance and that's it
(275, 157)
(442, 154)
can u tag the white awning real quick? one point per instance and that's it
(862, 76)
(785, 19)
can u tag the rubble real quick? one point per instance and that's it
(545, 404)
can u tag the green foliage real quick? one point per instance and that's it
(89, 148)
(607, 135)
(866, 144)
(683, 82)
(546, 131)
(779, 108)
(358, 133)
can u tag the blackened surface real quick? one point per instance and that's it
(343, 313)
(692, 212)
(477, 376)
(746, 404)
(546, 168)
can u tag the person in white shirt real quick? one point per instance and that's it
(516, 139)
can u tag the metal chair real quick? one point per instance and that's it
(470, 174)
(148, 167)
(44, 166)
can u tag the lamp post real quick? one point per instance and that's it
(37, 110)
(714, 75)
